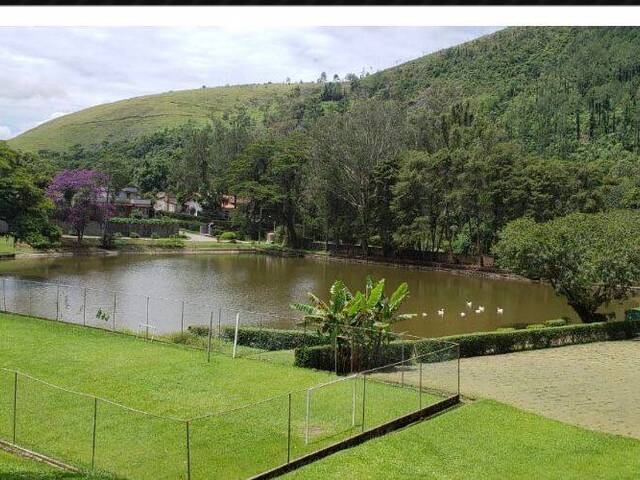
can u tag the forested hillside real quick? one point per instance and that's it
(550, 88)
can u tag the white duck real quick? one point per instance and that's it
(500, 311)
(478, 311)
(481, 308)
(424, 314)
(469, 304)
(441, 312)
(462, 314)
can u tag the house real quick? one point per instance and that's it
(128, 202)
(228, 204)
(192, 207)
(166, 202)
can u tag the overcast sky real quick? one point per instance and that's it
(48, 72)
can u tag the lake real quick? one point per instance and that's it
(264, 283)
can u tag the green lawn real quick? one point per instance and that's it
(13, 467)
(173, 381)
(8, 245)
(144, 244)
(485, 440)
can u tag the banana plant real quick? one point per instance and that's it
(362, 319)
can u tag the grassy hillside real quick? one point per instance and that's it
(550, 88)
(143, 115)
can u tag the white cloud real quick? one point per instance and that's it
(5, 132)
(46, 71)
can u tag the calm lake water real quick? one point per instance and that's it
(269, 284)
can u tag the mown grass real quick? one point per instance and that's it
(485, 440)
(174, 381)
(13, 467)
(9, 245)
(149, 244)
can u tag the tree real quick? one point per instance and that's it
(359, 321)
(348, 148)
(590, 259)
(270, 174)
(81, 196)
(23, 204)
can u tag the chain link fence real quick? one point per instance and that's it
(380, 380)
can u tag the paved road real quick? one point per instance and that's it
(596, 385)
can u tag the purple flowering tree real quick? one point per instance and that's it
(81, 196)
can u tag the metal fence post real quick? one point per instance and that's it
(235, 336)
(402, 369)
(182, 318)
(84, 308)
(15, 404)
(420, 383)
(147, 320)
(458, 349)
(115, 306)
(95, 421)
(57, 302)
(29, 294)
(306, 417)
(289, 431)
(210, 334)
(353, 401)
(188, 453)
(364, 398)
(219, 322)
(4, 295)
(335, 350)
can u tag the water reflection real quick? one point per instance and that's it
(270, 284)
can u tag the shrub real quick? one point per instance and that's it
(48, 237)
(535, 325)
(186, 338)
(557, 322)
(40, 242)
(142, 221)
(155, 236)
(632, 314)
(117, 235)
(228, 236)
(171, 242)
(264, 338)
(491, 343)
(133, 235)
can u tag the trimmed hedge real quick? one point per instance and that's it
(264, 338)
(322, 358)
(487, 343)
(142, 221)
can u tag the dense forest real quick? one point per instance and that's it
(438, 154)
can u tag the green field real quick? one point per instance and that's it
(485, 440)
(13, 467)
(171, 381)
(144, 115)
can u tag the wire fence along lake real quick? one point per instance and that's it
(97, 433)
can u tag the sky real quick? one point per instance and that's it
(47, 72)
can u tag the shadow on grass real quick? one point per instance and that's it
(56, 475)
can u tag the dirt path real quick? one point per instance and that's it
(596, 385)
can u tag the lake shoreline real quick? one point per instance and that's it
(90, 251)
